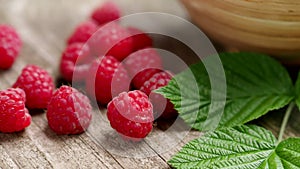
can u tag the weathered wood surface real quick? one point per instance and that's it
(44, 25)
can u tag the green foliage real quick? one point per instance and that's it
(256, 84)
(241, 147)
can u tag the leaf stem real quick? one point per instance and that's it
(285, 121)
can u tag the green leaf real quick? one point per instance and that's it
(297, 86)
(289, 153)
(255, 83)
(242, 147)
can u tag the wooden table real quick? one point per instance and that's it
(44, 25)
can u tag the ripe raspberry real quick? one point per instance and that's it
(138, 62)
(13, 114)
(38, 86)
(131, 115)
(75, 61)
(107, 79)
(140, 39)
(83, 32)
(10, 45)
(139, 79)
(112, 39)
(69, 111)
(162, 107)
(107, 12)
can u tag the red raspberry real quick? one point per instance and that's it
(162, 107)
(107, 12)
(38, 86)
(140, 39)
(69, 111)
(138, 62)
(131, 115)
(75, 61)
(112, 39)
(10, 45)
(107, 79)
(139, 80)
(83, 32)
(13, 114)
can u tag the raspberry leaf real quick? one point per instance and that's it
(297, 86)
(241, 147)
(289, 152)
(255, 83)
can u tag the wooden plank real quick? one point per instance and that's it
(272, 121)
(101, 148)
(5, 160)
(128, 154)
(176, 141)
(71, 151)
(20, 147)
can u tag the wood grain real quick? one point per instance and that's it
(44, 25)
(271, 27)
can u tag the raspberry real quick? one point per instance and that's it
(162, 107)
(69, 111)
(143, 76)
(38, 86)
(83, 32)
(138, 62)
(10, 45)
(107, 12)
(112, 39)
(75, 61)
(107, 79)
(13, 114)
(140, 39)
(131, 115)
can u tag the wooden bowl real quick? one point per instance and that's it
(265, 26)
